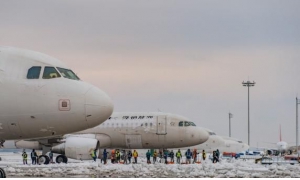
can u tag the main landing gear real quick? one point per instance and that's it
(61, 159)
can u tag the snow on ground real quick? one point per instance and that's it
(12, 164)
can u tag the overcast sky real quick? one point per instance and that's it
(183, 57)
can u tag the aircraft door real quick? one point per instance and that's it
(161, 125)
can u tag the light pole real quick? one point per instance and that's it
(230, 116)
(297, 102)
(248, 84)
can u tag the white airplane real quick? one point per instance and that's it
(233, 145)
(281, 146)
(40, 97)
(222, 143)
(126, 131)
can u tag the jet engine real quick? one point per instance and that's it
(80, 146)
(28, 145)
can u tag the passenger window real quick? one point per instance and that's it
(181, 123)
(150, 124)
(50, 72)
(34, 72)
(146, 124)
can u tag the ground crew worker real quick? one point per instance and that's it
(203, 155)
(24, 155)
(33, 156)
(188, 155)
(154, 156)
(129, 156)
(172, 156)
(125, 157)
(148, 155)
(135, 156)
(105, 156)
(112, 156)
(118, 156)
(195, 155)
(37, 158)
(218, 154)
(51, 156)
(160, 155)
(166, 156)
(178, 156)
(93, 155)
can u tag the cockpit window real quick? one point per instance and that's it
(50, 72)
(34, 72)
(240, 141)
(67, 73)
(192, 124)
(211, 133)
(181, 123)
(187, 123)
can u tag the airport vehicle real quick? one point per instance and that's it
(40, 97)
(126, 131)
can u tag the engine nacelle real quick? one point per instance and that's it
(28, 145)
(77, 147)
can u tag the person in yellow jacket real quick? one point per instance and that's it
(154, 156)
(203, 155)
(24, 155)
(135, 155)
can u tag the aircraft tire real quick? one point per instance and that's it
(44, 159)
(2, 173)
(61, 158)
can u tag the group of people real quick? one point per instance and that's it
(34, 157)
(126, 156)
(117, 155)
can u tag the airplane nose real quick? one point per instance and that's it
(196, 135)
(203, 135)
(98, 107)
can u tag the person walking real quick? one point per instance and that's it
(148, 155)
(203, 155)
(154, 156)
(178, 156)
(135, 156)
(129, 156)
(33, 156)
(24, 155)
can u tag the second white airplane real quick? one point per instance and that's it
(126, 131)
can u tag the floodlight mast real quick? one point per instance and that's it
(248, 84)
